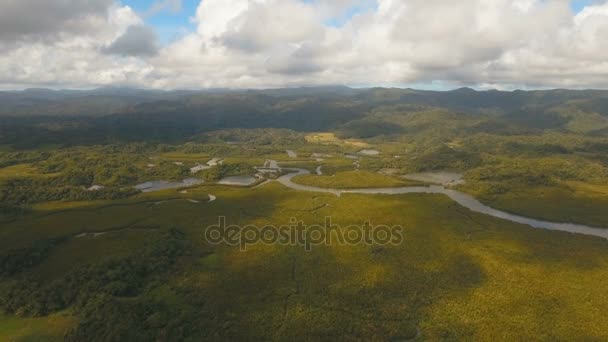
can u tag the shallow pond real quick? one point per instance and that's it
(369, 152)
(199, 168)
(163, 185)
(237, 180)
(215, 162)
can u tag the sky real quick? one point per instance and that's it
(194, 44)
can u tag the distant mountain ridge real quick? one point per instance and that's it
(101, 115)
(111, 100)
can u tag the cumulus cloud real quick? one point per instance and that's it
(73, 58)
(270, 24)
(137, 41)
(34, 19)
(274, 43)
(300, 61)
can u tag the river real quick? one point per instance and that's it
(461, 198)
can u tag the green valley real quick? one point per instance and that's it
(103, 217)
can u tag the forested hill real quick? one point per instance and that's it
(105, 101)
(95, 116)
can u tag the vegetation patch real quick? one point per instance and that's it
(353, 180)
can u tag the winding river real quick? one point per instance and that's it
(461, 198)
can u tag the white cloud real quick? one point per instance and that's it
(73, 58)
(137, 41)
(34, 20)
(273, 43)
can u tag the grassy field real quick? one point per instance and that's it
(329, 138)
(51, 328)
(457, 275)
(352, 180)
(20, 171)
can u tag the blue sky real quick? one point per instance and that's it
(578, 5)
(351, 12)
(169, 25)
